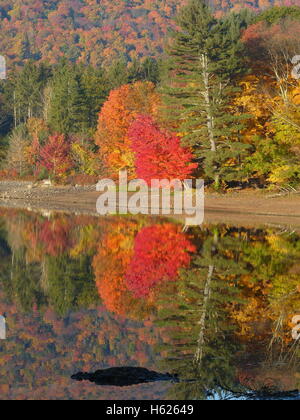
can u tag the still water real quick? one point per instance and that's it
(217, 305)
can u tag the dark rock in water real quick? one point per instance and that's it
(124, 376)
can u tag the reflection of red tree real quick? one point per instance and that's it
(126, 270)
(55, 236)
(110, 265)
(160, 251)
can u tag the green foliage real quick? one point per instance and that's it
(3, 150)
(95, 86)
(203, 348)
(26, 91)
(276, 158)
(121, 72)
(207, 60)
(19, 142)
(43, 174)
(212, 97)
(276, 14)
(70, 283)
(147, 70)
(68, 110)
(24, 284)
(223, 325)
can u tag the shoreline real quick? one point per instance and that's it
(247, 208)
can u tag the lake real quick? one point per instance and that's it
(218, 305)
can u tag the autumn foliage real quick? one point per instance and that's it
(251, 301)
(248, 134)
(54, 156)
(129, 269)
(86, 31)
(116, 116)
(155, 260)
(110, 264)
(158, 154)
(54, 235)
(90, 31)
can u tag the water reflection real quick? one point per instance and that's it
(217, 305)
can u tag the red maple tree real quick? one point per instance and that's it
(54, 156)
(158, 154)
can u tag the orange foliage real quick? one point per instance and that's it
(131, 270)
(116, 116)
(110, 265)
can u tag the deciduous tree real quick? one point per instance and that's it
(54, 156)
(158, 154)
(116, 116)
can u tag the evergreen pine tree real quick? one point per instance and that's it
(148, 70)
(206, 60)
(202, 351)
(68, 110)
(96, 90)
(26, 91)
(117, 74)
(25, 53)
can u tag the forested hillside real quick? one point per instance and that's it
(95, 31)
(221, 102)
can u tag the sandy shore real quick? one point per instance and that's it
(242, 208)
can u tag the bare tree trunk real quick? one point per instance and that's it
(46, 99)
(44, 276)
(281, 67)
(210, 119)
(12, 264)
(15, 110)
(199, 353)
